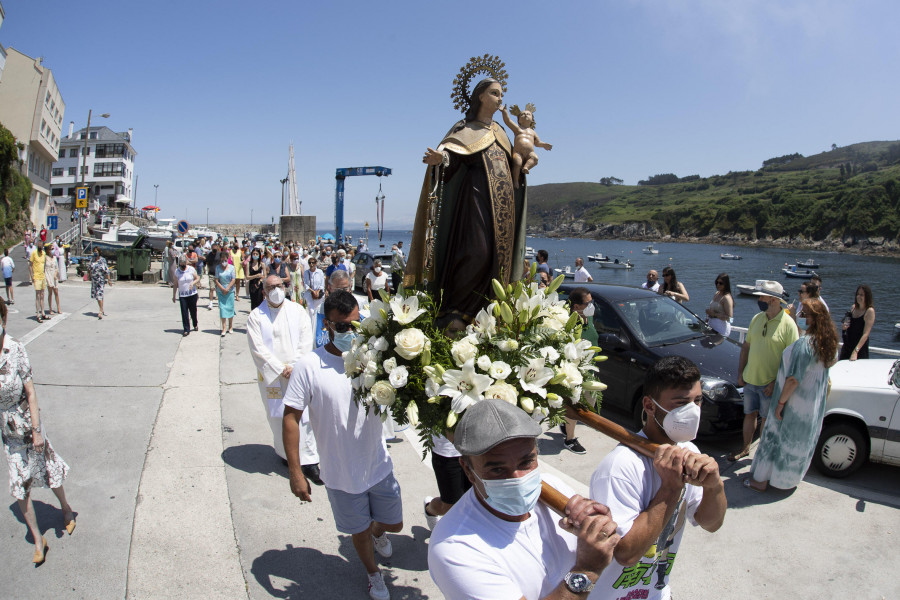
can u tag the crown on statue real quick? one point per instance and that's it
(488, 65)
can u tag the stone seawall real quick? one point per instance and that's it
(239, 230)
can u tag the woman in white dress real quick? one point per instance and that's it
(377, 280)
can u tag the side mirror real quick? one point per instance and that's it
(612, 341)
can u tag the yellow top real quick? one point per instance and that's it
(765, 351)
(37, 265)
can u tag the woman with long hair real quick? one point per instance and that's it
(857, 325)
(225, 284)
(788, 440)
(721, 309)
(32, 460)
(99, 280)
(808, 291)
(673, 288)
(256, 274)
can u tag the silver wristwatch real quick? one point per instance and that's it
(578, 583)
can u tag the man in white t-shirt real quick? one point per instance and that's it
(581, 273)
(652, 282)
(355, 466)
(498, 542)
(651, 498)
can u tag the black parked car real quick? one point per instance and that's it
(636, 327)
(363, 262)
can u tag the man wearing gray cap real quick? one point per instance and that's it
(769, 333)
(498, 542)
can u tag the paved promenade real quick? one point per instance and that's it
(179, 494)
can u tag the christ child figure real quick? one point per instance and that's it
(524, 157)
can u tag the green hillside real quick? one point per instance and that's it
(847, 192)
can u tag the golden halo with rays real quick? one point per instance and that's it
(488, 65)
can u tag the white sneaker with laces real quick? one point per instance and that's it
(377, 589)
(430, 520)
(383, 545)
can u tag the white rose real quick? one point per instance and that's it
(463, 351)
(383, 394)
(502, 391)
(399, 377)
(500, 370)
(557, 403)
(410, 343)
(484, 362)
(389, 365)
(380, 344)
(507, 345)
(368, 379)
(371, 326)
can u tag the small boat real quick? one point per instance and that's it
(897, 328)
(798, 273)
(567, 272)
(650, 250)
(617, 264)
(599, 257)
(808, 264)
(727, 256)
(529, 253)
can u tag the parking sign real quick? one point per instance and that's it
(81, 197)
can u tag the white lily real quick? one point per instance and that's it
(534, 376)
(406, 310)
(464, 387)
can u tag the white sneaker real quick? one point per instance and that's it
(377, 589)
(431, 520)
(383, 545)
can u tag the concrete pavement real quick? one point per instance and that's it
(178, 492)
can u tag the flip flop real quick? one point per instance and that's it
(746, 483)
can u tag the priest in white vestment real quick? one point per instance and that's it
(279, 333)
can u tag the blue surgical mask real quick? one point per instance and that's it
(801, 323)
(513, 497)
(344, 341)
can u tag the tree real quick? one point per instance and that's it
(833, 147)
(608, 181)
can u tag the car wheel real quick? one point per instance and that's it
(841, 450)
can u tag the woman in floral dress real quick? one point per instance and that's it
(788, 440)
(32, 460)
(99, 279)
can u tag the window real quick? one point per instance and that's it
(56, 192)
(93, 135)
(73, 152)
(70, 191)
(86, 151)
(71, 171)
(109, 169)
(57, 172)
(110, 151)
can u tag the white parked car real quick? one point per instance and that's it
(862, 417)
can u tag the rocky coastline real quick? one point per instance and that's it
(642, 232)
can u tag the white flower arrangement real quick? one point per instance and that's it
(522, 348)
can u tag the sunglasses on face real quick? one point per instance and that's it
(341, 327)
(720, 283)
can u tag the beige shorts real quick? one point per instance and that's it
(39, 285)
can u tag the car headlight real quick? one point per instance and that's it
(715, 389)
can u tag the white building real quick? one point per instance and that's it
(32, 108)
(108, 167)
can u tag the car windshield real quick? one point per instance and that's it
(659, 321)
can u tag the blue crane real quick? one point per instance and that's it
(340, 175)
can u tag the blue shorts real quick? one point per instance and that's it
(353, 513)
(756, 400)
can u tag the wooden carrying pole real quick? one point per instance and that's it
(556, 500)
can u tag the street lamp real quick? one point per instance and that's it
(283, 181)
(207, 218)
(156, 195)
(87, 134)
(251, 216)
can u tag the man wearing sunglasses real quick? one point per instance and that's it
(356, 468)
(770, 332)
(279, 333)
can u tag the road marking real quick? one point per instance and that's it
(42, 329)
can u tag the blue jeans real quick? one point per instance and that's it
(756, 400)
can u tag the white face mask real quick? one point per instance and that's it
(682, 423)
(588, 310)
(276, 296)
(378, 269)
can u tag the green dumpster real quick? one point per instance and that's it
(124, 262)
(140, 261)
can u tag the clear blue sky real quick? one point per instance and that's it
(217, 90)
